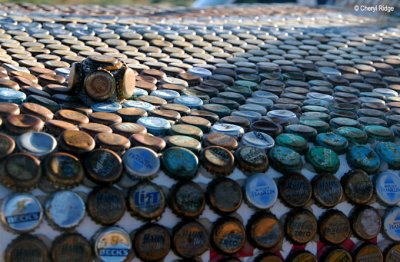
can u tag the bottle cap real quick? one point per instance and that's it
(71, 247)
(334, 227)
(184, 142)
(155, 125)
(358, 187)
(94, 128)
(21, 172)
(222, 140)
(300, 226)
(252, 159)
(338, 254)
(146, 200)
(7, 145)
(180, 163)
(20, 124)
(267, 258)
(141, 162)
(324, 160)
(63, 170)
(152, 242)
(199, 122)
(36, 143)
(166, 94)
(106, 205)
(155, 143)
(8, 109)
(65, 210)
(379, 133)
(393, 253)
(228, 235)
(366, 222)
(186, 130)
(131, 114)
(217, 160)
(285, 160)
(391, 223)
(71, 116)
(303, 256)
(368, 252)
(189, 101)
(138, 104)
(190, 239)
(112, 243)
(258, 139)
(387, 187)
(295, 190)
(363, 157)
(103, 166)
(338, 122)
(37, 110)
(327, 190)
(21, 212)
(264, 230)
(12, 96)
(295, 142)
(187, 199)
(307, 132)
(332, 141)
(390, 153)
(114, 142)
(26, 247)
(106, 107)
(212, 117)
(77, 142)
(224, 195)
(261, 191)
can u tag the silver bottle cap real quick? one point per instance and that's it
(37, 143)
(112, 244)
(65, 209)
(21, 212)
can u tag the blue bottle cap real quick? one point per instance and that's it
(253, 107)
(189, 101)
(139, 104)
(141, 162)
(37, 143)
(168, 95)
(363, 157)
(138, 92)
(265, 94)
(227, 129)
(109, 107)
(180, 163)
(387, 186)
(261, 191)
(332, 141)
(21, 212)
(391, 224)
(155, 125)
(265, 102)
(250, 115)
(12, 96)
(258, 139)
(65, 209)
(283, 116)
(316, 102)
(390, 153)
(201, 72)
(319, 96)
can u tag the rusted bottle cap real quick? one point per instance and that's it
(146, 200)
(300, 226)
(94, 128)
(327, 190)
(21, 212)
(152, 242)
(185, 142)
(199, 122)
(252, 159)
(190, 239)
(228, 235)
(146, 140)
(334, 227)
(131, 114)
(114, 142)
(7, 109)
(112, 243)
(222, 140)
(106, 205)
(358, 187)
(7, 145)
(71, 116)
(19, 124)
(368, 252)
(295, 190)
(217, 160)
(76, 141)
(224, 195)
(36, 110)
(20, 172)
(63, 170)
(26, 248)
(268, 257)
(264, 230)
(105, 118)
(103, 166)
(71, 247)
(366, 222)
(187, 199)
(303, 256)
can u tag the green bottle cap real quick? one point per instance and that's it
(285, 160)
(180, 163)
(324, 160)
(292, 141)
(332, 141)
(352, 134)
